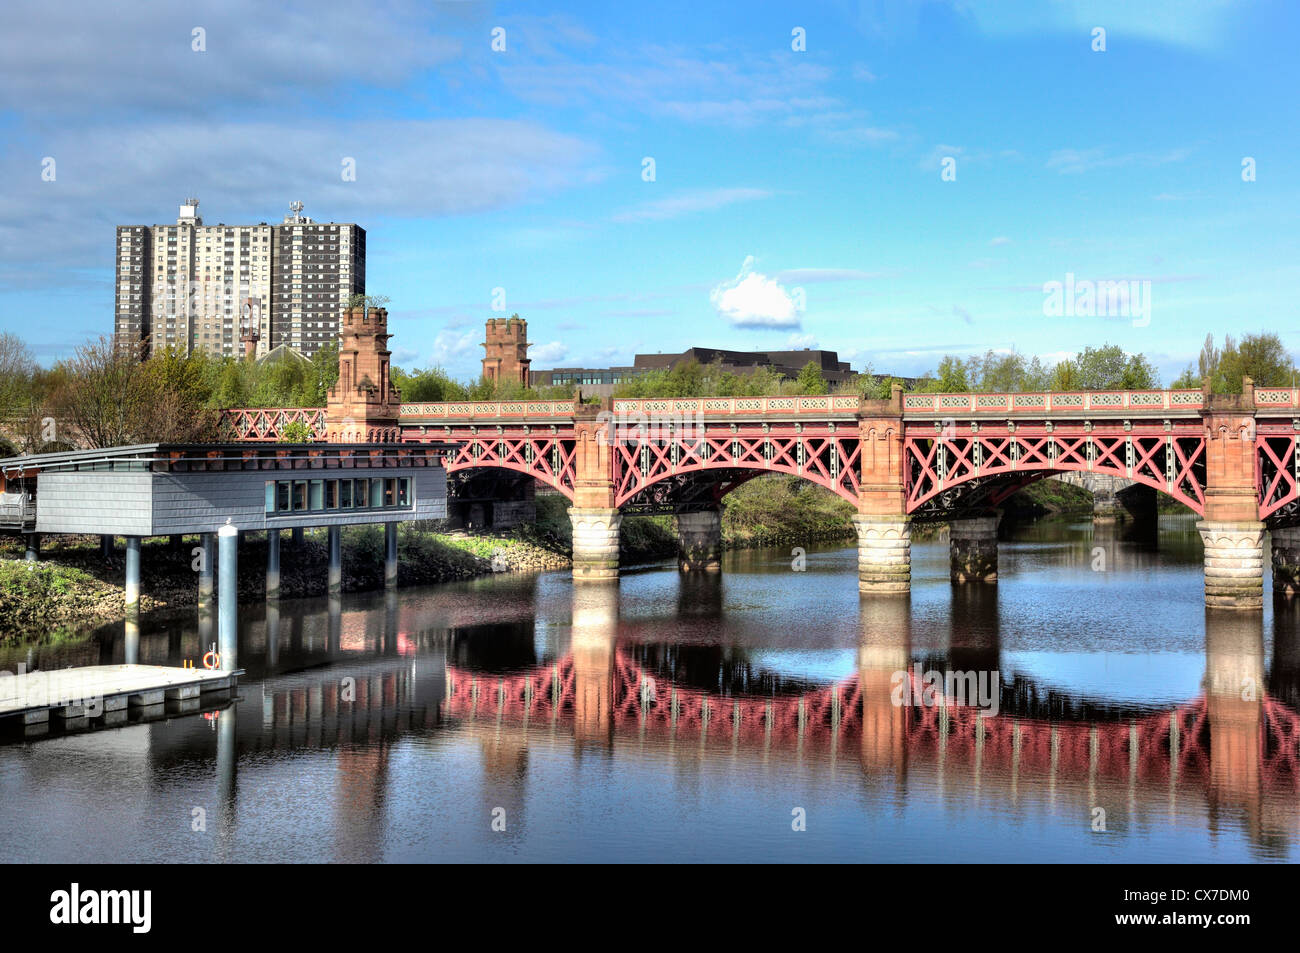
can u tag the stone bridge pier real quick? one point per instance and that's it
(699, 541)
(883, 524)
(973, 549)
(1231, 529)
(595, 518)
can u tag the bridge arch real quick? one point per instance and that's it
(822, 457)
(547, 458)
(945, 472)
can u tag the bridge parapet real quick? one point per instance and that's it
(487, 409)
(1165, 402)
(817, 405)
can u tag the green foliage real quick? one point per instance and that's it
(810, 380)
(1261, 357)
(1008, 372)
(296, 431)
(35, 595)
(368, 301)
(692, 379)
(428, 384)
(776, 508)
(1109, 368)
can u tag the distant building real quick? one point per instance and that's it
(602, 381)
(191, 285)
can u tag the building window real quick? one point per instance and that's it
(294, 497)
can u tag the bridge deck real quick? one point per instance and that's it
(94, 690)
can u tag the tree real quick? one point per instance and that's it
(104, 397)
(1261, 357)
(430, 384)
(16, 371)
(368, 301)
(810, 380)
(109, 397)
(1109, 368)
(952, 376)
(296, 431)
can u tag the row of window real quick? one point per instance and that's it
(315, 496)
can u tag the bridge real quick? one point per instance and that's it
(1232, 459)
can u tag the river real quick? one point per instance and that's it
(765, 713)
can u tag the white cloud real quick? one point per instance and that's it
(753, 300)
(1075, 161)
(75, 54)
(449, 345)
(1000, 240)
(795, 341)
(139, 174)
(687, 202)
(549, 353)
(813, 276)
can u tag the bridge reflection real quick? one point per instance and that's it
(1233, 749)
(517, 671)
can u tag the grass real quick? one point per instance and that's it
(38, 595)
(776, 508)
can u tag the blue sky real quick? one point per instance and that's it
(797, 200)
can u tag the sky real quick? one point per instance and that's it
(892, 179)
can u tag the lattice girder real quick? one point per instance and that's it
(1170, 459)
(821, 455)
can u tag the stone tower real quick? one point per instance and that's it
(505, 352)
(363, 404)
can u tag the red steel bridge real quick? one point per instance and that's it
(962, 451)
(1232, 459)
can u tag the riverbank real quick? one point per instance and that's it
(74, 586)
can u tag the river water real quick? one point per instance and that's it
(1101, 714)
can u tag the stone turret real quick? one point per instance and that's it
(363, 405)
(505, 351)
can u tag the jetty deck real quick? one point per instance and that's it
(95, 691)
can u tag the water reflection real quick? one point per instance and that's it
(592, 719)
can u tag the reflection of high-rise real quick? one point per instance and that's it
(884, 649)
(595, 625)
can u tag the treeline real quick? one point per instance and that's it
(434, 384)
(1101, 368)
(693, 379)
(106, 395)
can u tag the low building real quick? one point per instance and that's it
(601, 382)
(169, 489)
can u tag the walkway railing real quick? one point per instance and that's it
(267, 423)
(1048, 402)
(17, 511)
